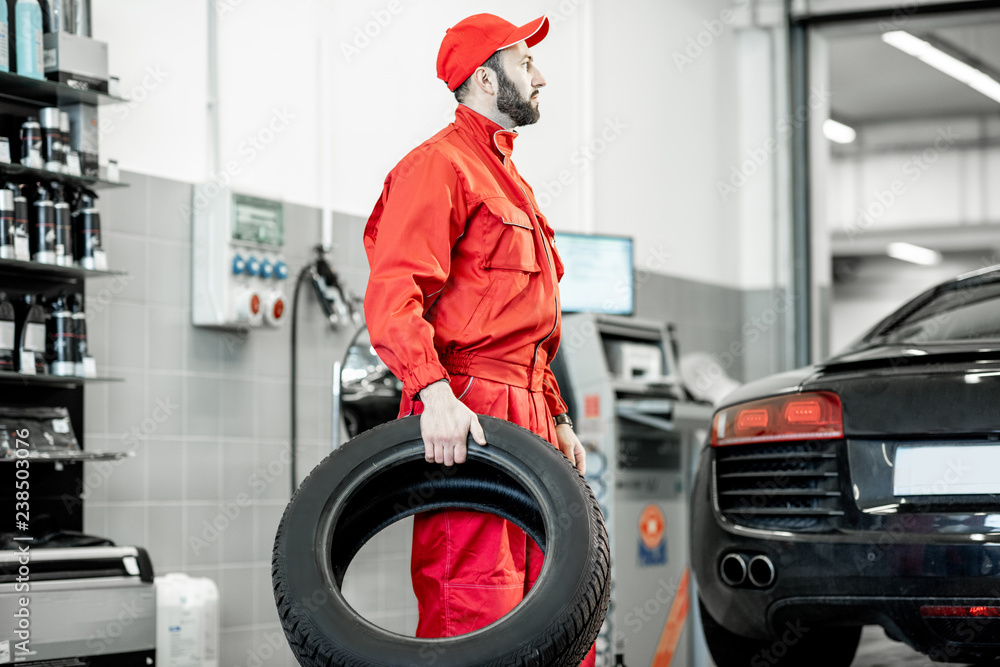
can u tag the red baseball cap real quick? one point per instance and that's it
(472, 41)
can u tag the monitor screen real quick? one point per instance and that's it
(599, 274)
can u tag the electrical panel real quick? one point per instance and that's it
(238, 262)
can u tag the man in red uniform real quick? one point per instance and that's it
(463, 306)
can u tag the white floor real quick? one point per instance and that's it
(877, 650)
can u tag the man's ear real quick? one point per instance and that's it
(485, 79)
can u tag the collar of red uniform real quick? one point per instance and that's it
(483, 129)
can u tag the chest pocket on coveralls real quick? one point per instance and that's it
(509, 237)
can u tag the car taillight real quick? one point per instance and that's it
(808, 416)
(959, 612)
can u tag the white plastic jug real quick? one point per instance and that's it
(187, 621)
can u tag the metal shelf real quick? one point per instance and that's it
(71, 457)
(48, 93)
(21, 268)
(22, 174)
(10, 377)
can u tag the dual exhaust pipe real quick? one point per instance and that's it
(738, 569)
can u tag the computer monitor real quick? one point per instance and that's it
(599, 276)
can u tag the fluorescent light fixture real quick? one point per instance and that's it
(914, 253)
(944, 62)
(838, 132)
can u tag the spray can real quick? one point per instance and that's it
(63, 229)
(60, 347)
(87, 220)
(8, 334)
(79, 334)
(64, 138)
(31, 344)
(6, 224)
(22, 247)
(43, 228)
(52, 147)
(31, 144)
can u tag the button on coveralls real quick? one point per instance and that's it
(464, 287)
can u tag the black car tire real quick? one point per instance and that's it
(814, 646)
(380, 477)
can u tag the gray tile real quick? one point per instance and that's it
(95, 408)
(267, 518)
(236, 597)
(165, 401)
(124, 209)
(201, 471)
(126, 253)
(237, 470)
(169, 202)
(204, 350)
(302, 226)
(95, 519)
(238, 350)
(202, 527)
(238, 537)
(169, 273)
(272, 409)
(237, 646)
(202, 406)
(309, 397)
(272, 353)
(271, 478)
(238, 408)
(127, 525)
(165, 470)
(166, 337)
(126, 478)
(126, 404)
(265, 610)
(166, 538)
(96, 311)
(127, 322)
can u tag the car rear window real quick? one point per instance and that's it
(968, 312)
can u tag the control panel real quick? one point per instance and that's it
(239, 269)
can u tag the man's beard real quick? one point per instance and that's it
(510, 102)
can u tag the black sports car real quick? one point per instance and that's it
(863, 490)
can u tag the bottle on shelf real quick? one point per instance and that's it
(53, 153)
(60, 348)
(87, 222)
(43, 228)
(31, 144)
(6, 224)
(79, 334)
(30, 49)
(64, 227)
(8, 334)
(4, 38)
(31, 344)
(20, 247)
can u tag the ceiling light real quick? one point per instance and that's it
(944, 62)
(914, 253)
(838, 132)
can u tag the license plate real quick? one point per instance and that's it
(946, 470)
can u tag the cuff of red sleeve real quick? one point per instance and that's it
(556, 405)
(420, 376)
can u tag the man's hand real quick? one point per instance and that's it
(445, 425)
(572, 447)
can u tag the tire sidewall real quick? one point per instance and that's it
(541, 468)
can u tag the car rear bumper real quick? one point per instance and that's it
(845, 578)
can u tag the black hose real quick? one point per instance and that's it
(303, 275)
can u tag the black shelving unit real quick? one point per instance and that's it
(57, 483)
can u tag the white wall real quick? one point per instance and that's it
(632, 140)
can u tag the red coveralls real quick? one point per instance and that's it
(464, 286)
